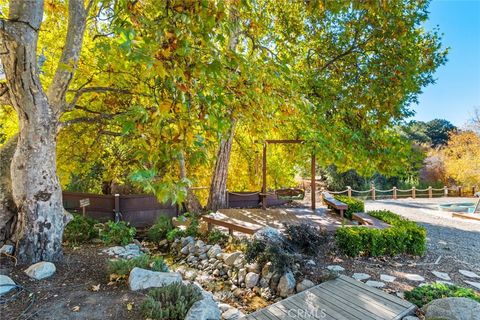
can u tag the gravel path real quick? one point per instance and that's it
(450, 239)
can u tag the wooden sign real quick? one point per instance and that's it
(83, 203)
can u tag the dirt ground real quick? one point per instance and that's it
(70, 292)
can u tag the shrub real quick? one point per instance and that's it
(80, 229)
(354, 205)
(174, 234)
(170, 302)
(192, 229)
(217, 236)
(278, 254)
(122, 267)
(425, 294)
(160, 229)
(304, 237)
(117, 233)
(403, 236)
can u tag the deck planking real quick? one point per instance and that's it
(340, 299)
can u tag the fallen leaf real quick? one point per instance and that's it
(96, 288)
(76, 309)
(129, 306)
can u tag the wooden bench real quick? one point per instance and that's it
(231, 224)
(329, 200)
(369, 221)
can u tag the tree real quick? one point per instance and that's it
(35, 187)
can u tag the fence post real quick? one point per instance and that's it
(373, 192)
(445, 191)
(430, 191)
(322, 190)
(460, 191)
(117, 206)
(349, 191)
(394, 193)
(413, 192)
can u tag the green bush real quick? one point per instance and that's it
(403, 236)
(117, 233)
(262, 252)
(122, 267)
(170, 302)
(305, 237)
(425, 294)
(160, 229)
(80, 229)
(354, 205)
(192, 229)
(217, 236)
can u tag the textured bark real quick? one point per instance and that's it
(35, 187)
(8, 210)
(218, 188)
(191, 203)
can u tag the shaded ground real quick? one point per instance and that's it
(69, 293)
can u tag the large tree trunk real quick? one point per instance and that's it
(35, 187)
(218, 188)
(191, 203)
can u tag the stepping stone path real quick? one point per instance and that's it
(469, 274)
(6, 284)
(445, 282)
(414, 277)
(360, 276)
(442, 275)
(375, 284)
(336, 268)
(474, 284)
(387, 278)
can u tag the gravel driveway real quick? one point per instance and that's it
(452, 240)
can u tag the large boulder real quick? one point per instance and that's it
(140, 279)
(6, 284)
(41, 270)
(205, 309)
(286, 285)
(270, 235)
(452, 309)
(251, 279)
(304, 285)
(214, 250)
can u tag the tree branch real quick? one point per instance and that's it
(4, 94)
(81, 91)
(70, 55)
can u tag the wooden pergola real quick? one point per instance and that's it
(264, 173)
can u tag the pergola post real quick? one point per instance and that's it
(313, 183)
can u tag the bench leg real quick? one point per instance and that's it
(230, 232)
(209, 226)
(341, 213)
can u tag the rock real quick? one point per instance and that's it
(452, 309)
(375, 284)
(184, 251)
(132, 247)
(223, 307)
(142, 279)
(251, 279)
(442, 275)
(360, 276)
(286, 285)
(187, 240)
(253, 267)
(387, 278)
(190, 275)
(242, 273)
(205, 309)
(6, 248)
(304, 285)
(269, 234)
(6, 284)
(474, 284)
(400, 294)
(310, 263)
(232, 314)
(410, 318)
(212, 253)
(41, 270)
(413, 277)
(445, 282)
(469, 274)
(335, 268)
(229, 259)
(239, 262)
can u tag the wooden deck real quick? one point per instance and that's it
(342, 298)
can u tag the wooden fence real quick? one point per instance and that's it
(251, 200)
(396, 193)
(139, 210)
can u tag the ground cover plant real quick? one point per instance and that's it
(160, 229)
(421, 296)
(354, 205)
(80, 229)
(122, 267)
(117, 233)
(403, 236)
(304, 237)
(170, 302)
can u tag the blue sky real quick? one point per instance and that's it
(457, 90)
